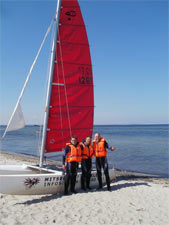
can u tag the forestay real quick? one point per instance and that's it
(17, 118)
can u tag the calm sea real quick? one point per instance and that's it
(139, 148)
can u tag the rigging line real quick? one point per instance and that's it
(45, 91)
(28, 76)
(65, 87)
(60, 109)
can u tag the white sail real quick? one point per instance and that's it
(17, 121)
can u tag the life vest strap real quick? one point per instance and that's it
(73, 155)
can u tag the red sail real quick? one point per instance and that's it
(72, 100)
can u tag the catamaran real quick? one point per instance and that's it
(69, 108)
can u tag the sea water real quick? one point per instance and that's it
(139, 148)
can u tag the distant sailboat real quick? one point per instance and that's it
(69, 106)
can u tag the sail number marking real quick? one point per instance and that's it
(85, 75)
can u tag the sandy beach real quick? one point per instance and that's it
(132, 200)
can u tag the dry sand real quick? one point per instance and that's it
(131, 201)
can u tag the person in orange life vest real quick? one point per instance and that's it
(71, 158)
(87, 155)
(100, 151)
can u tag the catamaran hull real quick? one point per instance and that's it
(25, 180)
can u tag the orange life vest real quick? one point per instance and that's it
(99, 149)
(75, 153)
(87, 151)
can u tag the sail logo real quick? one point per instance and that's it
(31, 182)
(52, 141)
(70, 14)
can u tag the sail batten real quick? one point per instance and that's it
(72, 103)
(71, 43)
(87, 128)
(83, 64)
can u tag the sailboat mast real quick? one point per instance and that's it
(51, 68)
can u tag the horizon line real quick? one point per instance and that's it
(104, 124)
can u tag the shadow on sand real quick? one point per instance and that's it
(56, 196)
(41, 199)
(126, 185)
(116, 187)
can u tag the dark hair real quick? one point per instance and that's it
(97, 133)
(83, 140)
(74, 137)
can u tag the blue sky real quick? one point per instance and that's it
(129, 49)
